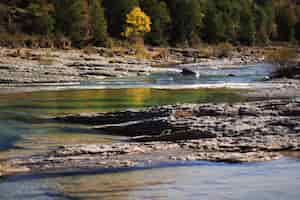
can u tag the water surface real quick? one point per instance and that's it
(20, 112)
(200, 180)
(22, 133)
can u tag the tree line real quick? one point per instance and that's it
(184, 22)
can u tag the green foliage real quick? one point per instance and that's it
(286, 21)
(222, 21)
(297, 26)
(173, 21)
(43, 22)
(187, 18)
(297, 31)
(286, 60)
(247, 28)
(116, 11)
(213, 25)
(261, 23)
(70, 19)
(161, 21)
(98, 22)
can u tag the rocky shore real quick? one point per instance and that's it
(243, 132)
(49, 66)
(275, 89)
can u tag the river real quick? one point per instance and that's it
(23, 133)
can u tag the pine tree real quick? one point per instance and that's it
(264, 21)
(214, 27)
(98, 22)
(247, 27)
(70, 19)
(161, 21)
(286, 21)
(43, 21)
(187, 19)
(297, 26)
(116, 11)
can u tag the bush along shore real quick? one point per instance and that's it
(243, 132)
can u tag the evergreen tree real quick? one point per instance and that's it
(173, 21)
(187, 17)
(297, 31)
(161, 21)
(214, 27)
(265, 21)
(297, 26)
(43, 22)
(247, 27)
(98, 22)
(70, 19)
(229, 19)
(286, 21)
(261, 25)
(116, 11)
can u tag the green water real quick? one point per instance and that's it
(20, 112)
(76, 101)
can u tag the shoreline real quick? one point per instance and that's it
(50, 66)
(234, 133)
(30, 70)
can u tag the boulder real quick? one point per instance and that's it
(189, 72)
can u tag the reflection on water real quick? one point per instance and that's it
(203, 180)
(21, 129)
(19, 113)
(75, 101)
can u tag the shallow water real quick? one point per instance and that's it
(246, 74)
(207, 76)
(199, 180)
(20, 112)
(23, 133)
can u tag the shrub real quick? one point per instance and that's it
(286, 71)
(89, 50)
(223, 50)
(141, 52)
(284, 59)
(282, 56)
(206, 51)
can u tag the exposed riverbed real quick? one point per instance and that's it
(23, 133)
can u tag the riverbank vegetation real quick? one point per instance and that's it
(62, 23)
(287, 63)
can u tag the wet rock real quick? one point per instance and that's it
(116, 155)
(189, 72)
(243, 132)
(8, 169)
(232, 157)
(180, 122)
(116, 118)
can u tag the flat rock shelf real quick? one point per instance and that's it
(242, 132)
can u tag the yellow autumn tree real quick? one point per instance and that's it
(137, 24)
